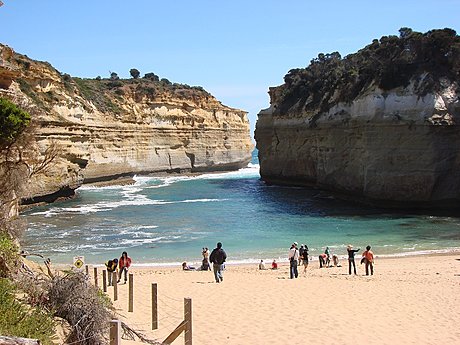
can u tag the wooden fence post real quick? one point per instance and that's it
(154, 306)
(95, 276)
(115, 285)
(115, 332)
(131, 293)
(188, 320)
(104, 280)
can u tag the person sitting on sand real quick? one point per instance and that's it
(186, 267)
(205, 265)
(261, 265)
(368, 258)
(274, 265)
(351, 258)
(335, 260)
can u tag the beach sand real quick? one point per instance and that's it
(409, 300)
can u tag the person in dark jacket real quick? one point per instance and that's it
(111, 267)
(217, 258)
(351, 258)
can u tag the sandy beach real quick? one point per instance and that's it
(410, 300)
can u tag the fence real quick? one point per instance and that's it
(185, 325)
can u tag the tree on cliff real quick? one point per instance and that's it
(134, 73)
(114, 76)
(19, 161)
(13, 121)
(151, 76)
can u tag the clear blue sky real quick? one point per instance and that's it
(234, 49)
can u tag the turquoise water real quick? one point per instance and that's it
(169, 219)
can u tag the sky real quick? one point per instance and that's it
(234, 49)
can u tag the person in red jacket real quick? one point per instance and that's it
(123, 265)
(368, 260)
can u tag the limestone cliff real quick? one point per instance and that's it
(106, 128)
(387, 142)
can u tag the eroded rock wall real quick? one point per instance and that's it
(141, 128)
(391, 148)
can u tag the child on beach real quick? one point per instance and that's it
(335, 260)
(274, 265)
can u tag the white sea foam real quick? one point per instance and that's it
(252, 170)
(130, 199)
(92, 187)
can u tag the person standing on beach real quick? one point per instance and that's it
(304, 258)
(293, 260)
(351, 258)
(206, 257)
(368, 257)
(218, 257)
(328, 256)
(123, 264)
(301, 250)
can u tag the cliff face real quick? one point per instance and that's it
(392, 147)
(105, 128)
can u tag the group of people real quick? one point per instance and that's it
(367, 259)
(217, 258)
(262, 265)
(297, 256)
(121, 264)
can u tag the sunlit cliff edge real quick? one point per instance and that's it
(107, 128)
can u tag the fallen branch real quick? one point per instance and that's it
(131, 334)
(18, 341)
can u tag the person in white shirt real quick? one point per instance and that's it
(261, 265)
(293, 260)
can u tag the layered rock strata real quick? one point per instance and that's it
(392, 148)
(106, 128)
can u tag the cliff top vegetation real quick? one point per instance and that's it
(104, 92)
(107, 94)
(391, 62)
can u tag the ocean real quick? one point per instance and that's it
(167, 220)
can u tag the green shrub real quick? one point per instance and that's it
(18, 320)
(8, 255)
(13, 121)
